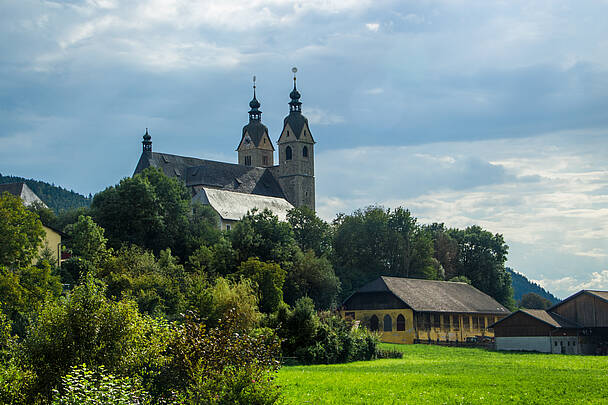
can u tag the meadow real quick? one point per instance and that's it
(450, 375)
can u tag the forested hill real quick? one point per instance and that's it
(521, 286)
(55, 197)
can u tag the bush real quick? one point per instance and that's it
(220, 365)
(389, 354)
(324, 338)
(83, 386)
(86, 327)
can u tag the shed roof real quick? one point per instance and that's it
(21, 190)
(233, 206)
(436, 296)
(547, 317)
(603, 295)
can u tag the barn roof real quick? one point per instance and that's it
(603, 295)
(233, 206)
(436, 296)
(547, 317)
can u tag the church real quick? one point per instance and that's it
(255, 182)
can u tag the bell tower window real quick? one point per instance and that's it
(305, 152)
(288, 153)
(247, 160)
(265, 160)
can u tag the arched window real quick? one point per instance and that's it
(400, 322)
(288, 153)
(373, 323)
(388, 323)
(305, 152)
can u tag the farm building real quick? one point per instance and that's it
(406, 310)
(577, 325)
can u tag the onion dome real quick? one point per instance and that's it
(147, 142)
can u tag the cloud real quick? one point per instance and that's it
(570, 285)
(373, 27)
(321, 117)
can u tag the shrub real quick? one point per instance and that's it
(220, 365)
(83, 386)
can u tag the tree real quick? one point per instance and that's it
(150, 210)
(262, 235)
(312, 277)
(87, 241)
(21, 233)
(445, 248)
(481, 259)
(268, 278)
(310, 231)
(534, 301)
(376, 242)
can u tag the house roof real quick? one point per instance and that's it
(547, 317)
(233, 206)
(436, 296)
(199, 173)
(21, 190)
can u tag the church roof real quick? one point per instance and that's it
(297, 122)
(436, 296)
(256, 131)
(21, 190)
(200, 172)
(231, 205)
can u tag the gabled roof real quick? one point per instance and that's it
(297, 122)
(21, 190)
(233, 206)
(199, 173)
(544, 316)
(436, 296)
(256, 131)
(603, 295)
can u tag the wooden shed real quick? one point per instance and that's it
(577, 325)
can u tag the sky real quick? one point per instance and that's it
(466, 112)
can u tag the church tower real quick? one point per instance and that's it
(255, 148)
(296, 171)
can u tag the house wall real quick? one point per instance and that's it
(452, 327)
(52, 241)
(393, 336)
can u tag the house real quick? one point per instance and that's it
(52, 238)
(406, 310)
(255, 182)
(577, 325)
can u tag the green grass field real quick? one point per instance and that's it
(449, 375)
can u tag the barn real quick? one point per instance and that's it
(577, 325)
(406, 310)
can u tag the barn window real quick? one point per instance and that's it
(475, 322)
(446, 323)
(465, 322)
(556, 343)
(288, 153)
(305, 152)
(400, 322)
(373, 323)
(436, 321)
(427, 321)
(388, 323)
(455, 325)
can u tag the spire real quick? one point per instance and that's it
(147, 142)
(295, 105)
(254, 113)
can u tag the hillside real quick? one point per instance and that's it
(55, 197)
(521, 285)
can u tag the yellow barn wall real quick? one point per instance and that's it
(455, 331)
(52, 241)
(406, 336)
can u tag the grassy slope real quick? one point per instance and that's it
(446, 375)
